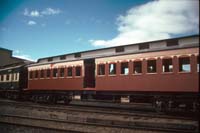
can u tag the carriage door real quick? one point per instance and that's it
(89, 78)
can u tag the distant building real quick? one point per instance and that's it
(6, 58)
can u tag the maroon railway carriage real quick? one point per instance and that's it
(164, 71)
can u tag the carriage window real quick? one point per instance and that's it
(78, 71)
(184, 64)
(55, 72)
(143, 46)
(151, 66)
(48, 73)
(137, 67)
(31, 74)
(7, 77)
(69, 71)
(167, 65)
(197, 63)
(124, 68)
(42, 74)
(101, 70)
(36, 74)
(62, 57)
(62, 72)
(112, 69)
(2, 78)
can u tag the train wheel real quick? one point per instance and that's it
(48, 99)
(67, 100)
(33, 98)
(15, 96)
(160, 106)
(195, 107)
(170, 104)
(52, 100)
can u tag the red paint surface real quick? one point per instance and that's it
(56, 84)
(182, 82)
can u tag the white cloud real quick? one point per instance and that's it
(33, 13)
(26, 57)
(16, 52)
(51, 11)
(155, 20)
(26, 12)
(37, 13)
(31, 23)
(19, 54)
(98, 42)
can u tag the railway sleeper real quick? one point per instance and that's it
(139, 124)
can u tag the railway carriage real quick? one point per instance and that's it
(164, 72)
(13, 79)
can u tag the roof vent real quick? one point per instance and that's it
(119, 49)
(50, 59)
(143, 46)
(172, 42)
(63, 57)
(77, 55)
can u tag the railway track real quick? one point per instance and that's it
(92, 117)
(95, 109)
(97, 123)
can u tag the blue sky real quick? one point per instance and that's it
(40, 28)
